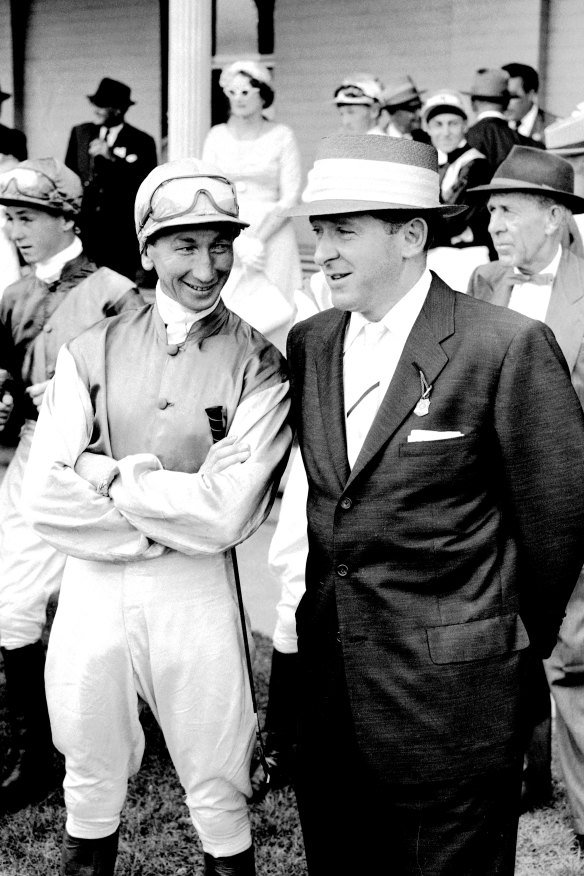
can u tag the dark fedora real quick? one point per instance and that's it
(4, 95)
(110, 92)
(535, 172)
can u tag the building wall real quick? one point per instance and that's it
(565, 71)
(70, 47)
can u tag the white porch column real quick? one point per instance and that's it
(189, 76)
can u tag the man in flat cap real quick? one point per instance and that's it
(444, 448)
(63, 294)
(358, 101)
(148, 516)
(112, 158)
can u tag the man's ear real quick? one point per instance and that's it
(68, 224)
(415, 235)
(147, 262)
(556, 219)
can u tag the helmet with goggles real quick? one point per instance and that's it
(42, 183)
(184, 192)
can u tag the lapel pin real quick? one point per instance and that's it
(423, 403)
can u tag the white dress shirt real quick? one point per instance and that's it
(371, 354)
(531, 299)
(110, 135)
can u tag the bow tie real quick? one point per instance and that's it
(537, 279)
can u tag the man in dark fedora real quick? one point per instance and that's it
(490, 133)
(445, 514)
(12, 142)
(112, 158)
(531, 199)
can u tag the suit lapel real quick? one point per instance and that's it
(565, 315)
(330, 388)
(422, 351)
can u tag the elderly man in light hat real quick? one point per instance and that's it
(63, 294)
(358, 100)
(490, 133)
(124, 478)
(440, 490)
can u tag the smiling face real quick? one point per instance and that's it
(363, 263)
(193, 263)
(37, 233)
(244, 99)
(446, 131)
(357, 118)
(524, 231)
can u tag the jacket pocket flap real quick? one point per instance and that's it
(477, 640)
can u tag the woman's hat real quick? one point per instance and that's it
(357, 173)
(361, 89)
(110, 92)
(443, 101)
(253, 69)
(535, 172)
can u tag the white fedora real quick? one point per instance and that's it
(358, 173)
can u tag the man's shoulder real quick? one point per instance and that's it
(126, 322)
(319, 324)
(84, 129)
(138, 134)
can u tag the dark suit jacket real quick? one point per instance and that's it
(110, 186)
(494, 138)
(433, 558)
(12, 142)
(565, 314)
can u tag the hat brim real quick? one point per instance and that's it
(333, 207)
(101, 104)
(185, 222)
(66, 210)
(573, 202)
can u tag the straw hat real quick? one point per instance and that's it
(357, 173)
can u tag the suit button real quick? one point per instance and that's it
(342, 570)
(172, 349)
(163, 403)
(346, 503)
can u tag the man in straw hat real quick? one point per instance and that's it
(531, 200)
(401, 104)
(445, 516)
(147, 516)
(63, 294)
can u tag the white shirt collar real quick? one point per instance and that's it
(110, 135)
(178, 319)
(528, 121)
(400, 319)
(553, 266)
(490, 114)
(50, 269)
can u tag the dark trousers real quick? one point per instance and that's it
(352, 823)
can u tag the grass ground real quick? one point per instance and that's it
(157, 838)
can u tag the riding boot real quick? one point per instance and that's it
(89, 857)
(242, 864)
(31, 773)
(280, 727)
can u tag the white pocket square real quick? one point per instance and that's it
(430, 435)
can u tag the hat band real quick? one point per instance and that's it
(362, 179)
(523, 183)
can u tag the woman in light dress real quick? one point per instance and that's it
(262, 158)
